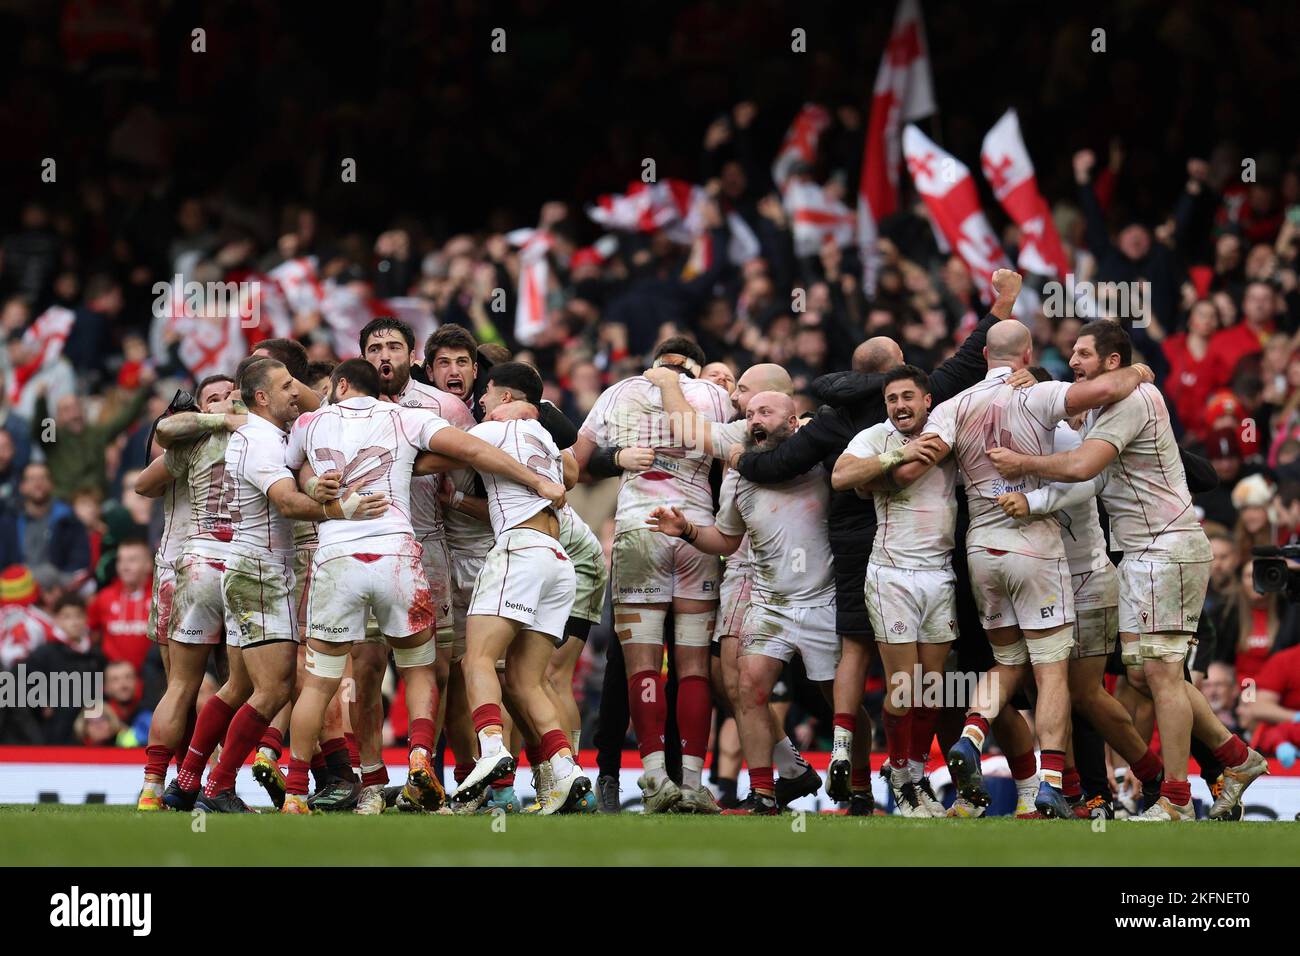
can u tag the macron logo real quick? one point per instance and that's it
(75, 909)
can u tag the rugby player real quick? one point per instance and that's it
(910, 584)
(796, 778)
(1018, 571)
(1165, 570)
(521, 602)
(792, 605)
(652, 574)
(191, 493)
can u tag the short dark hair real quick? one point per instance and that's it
(455, 338)
(1040, 373)
(386, 324)
(493, 353)
(902, 372)
(289, 353)
(1109, 338)
(211, 380)
(518, 377)
(361, 376)
(681, 345)
(132, 541)
(254, 375)
(70, 599)
(317, 370)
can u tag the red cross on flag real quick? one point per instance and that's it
(534, 281)
(945, 184)
(904, 92)
(1010, 172)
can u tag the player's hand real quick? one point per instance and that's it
(635, 459)
(1021, 378)
(1010, 464)
(1006, 283)
(512, 412)
(327, 486)
(1014, 504)
(661, 376)
(734, 453)
(920, 450)
(356, 507)
(552, 491)
(1148, 376)
(668, 521)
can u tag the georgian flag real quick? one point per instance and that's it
(904, 92)
(945, 184)
(816, 218)
(534, 281)
(300, 284)
(1010, 172)
(801, 142)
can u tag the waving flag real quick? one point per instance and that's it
(1010, 172)
(950, 196)
(534, 280)
(817, 218)
(903, 92)
(801, 142)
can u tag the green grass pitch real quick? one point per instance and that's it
(62, 835)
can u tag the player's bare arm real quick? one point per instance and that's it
(427, 463)
(854, 472)
(471, 505)
(1106, 389)
(293, 504)
(911, 471)
(178, 429)
(153, 481)
(710, 540)
(1006, 285)
(1083, 463)
(570, 468)
(686, 425)
(483, 457)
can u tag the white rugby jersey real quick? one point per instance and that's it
(527, 442)
(255, 462)
(993, 414)
(631, 413)
(374, 445)
(573, 529)
(790, 552)
(1146, 496)
(724, 436)
(177, 517)
(915, 527)
(203, 462)
(1075, 504)
(426, 512)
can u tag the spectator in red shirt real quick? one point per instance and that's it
(1275, 710)
(1195, 369)
(24, 626)
(1247, 337)
(120, 612)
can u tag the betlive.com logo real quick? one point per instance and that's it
(77, 909)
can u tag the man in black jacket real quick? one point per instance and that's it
(854, 401)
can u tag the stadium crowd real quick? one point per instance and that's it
(77, 543)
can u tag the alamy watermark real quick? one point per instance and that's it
(195, 299)
(1098, 300)
(21, 688)
(940, 689)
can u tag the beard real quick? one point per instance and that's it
(392, 387)
(766, 441)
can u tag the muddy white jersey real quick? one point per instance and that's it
(915, 526)
(1146, 496)
(426, 512)
(177, 515)
(722, 437)
(374, 445)
(527, 442)
(254, 463)
(992, 414)
(1075, 508)
(204, 464)
(789, 550)
(631, 413)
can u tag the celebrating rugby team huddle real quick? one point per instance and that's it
(313, 532)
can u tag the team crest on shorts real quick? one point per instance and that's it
(899, 627)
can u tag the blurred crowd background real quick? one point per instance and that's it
(226, 163)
